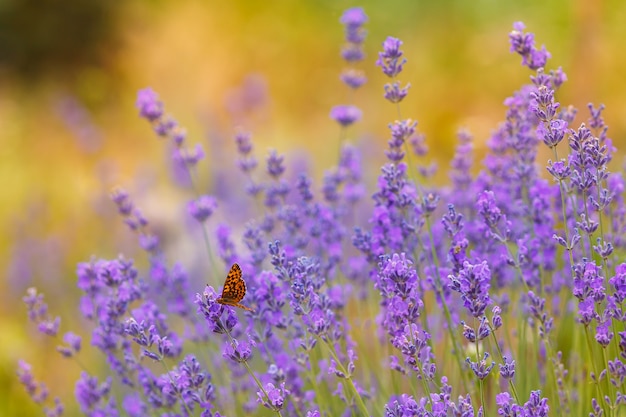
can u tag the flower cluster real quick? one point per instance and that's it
(426, 302)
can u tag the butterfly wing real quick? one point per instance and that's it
(234, 286)
(234, 289)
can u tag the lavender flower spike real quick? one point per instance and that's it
(345, 115)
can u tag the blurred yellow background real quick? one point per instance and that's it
(69, 130)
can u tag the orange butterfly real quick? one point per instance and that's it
(234, 289)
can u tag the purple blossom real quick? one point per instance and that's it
(275, 399)
(588, 282)
(36, 390)
(390, 59)
(353, 78)
(38, 313)
(93, 397)
(507, 369)
(74, 343)
(212, 312)
(542, 250)
(149, 105)
(275, 164)
(481, 369)
(238, 351)
(395, 93)
(345, 115)
(524, 45)
(473, 283)
(202, 208)
(354, 17)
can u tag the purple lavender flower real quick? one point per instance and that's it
(507, 369)
(353, 19)
(353, 78)
(93, 397)
(36, 390)
(202, 208)
(38, 313)
(473, 283)
(345, 115)
(480, 368)
(238, 351)
(275, 398)
(73, 342)
(390, 59)
(212, 312)
(149, 105)
(524, 45)
(275, 164)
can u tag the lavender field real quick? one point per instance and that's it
(491, 284)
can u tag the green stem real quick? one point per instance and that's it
(359, 400)
(495, 341)
(245, 363)
(595, 371)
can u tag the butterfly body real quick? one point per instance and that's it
(234, 289)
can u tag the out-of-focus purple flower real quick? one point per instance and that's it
(401, 131)
(225, 245)
(79, 121)
(38, 313)
(73, 341)
(189, 157)
(345, 115)
(395, 93)
(149, 104)
(202, 208)
(275, 164)
(538, 312)
(134, 405)
(353, 78)
(93, 397)
(123, 202)
(390, 59)
(524, 45)
(247, 162)
(353, 19)
(36, 390)
(248, 98)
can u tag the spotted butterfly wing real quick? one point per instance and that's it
(234, 289)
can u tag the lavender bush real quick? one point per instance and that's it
(501, 293)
